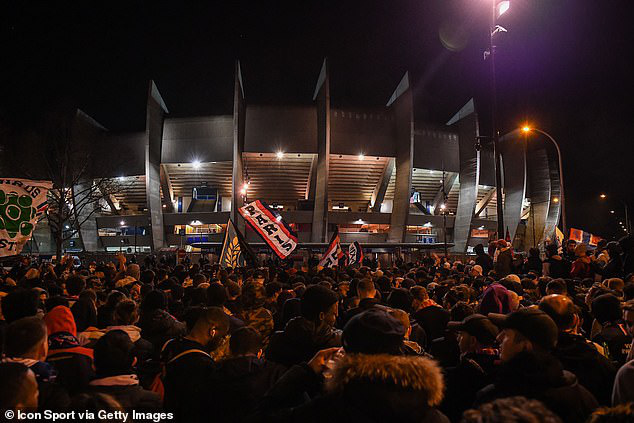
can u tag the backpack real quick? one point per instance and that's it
(157, 385)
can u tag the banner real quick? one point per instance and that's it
(271, 228)
(22, 203)
(576, 235)
(584, 237)
(333, 252)
(231, 255)
(355, 254)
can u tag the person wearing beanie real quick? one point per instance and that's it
(613, 336)
(527, 338)
(72, 361)
(310, 332)
(367, 380)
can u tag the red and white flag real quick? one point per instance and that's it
(271, 228)
(333, 252)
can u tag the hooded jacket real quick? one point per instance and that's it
(368, 388)
(72, 361)
(540, 376)
(126, 390)
(299, 341)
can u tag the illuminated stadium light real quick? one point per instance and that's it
(361, 156)
(196, 164)
(280, 155)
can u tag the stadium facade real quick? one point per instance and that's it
(379, 176)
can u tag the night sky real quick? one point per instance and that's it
(564, 65)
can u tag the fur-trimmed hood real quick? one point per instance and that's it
(401, 375)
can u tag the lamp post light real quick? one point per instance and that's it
(562, 198)
(628, 224)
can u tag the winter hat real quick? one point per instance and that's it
(374, 331)
(495, 300)
(478, 326)
(317, 299)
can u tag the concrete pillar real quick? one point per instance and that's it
(239, 120)
(378, 195)
(514, 178)
(320, 210)
(466, 123)
(402, 106)
(156, 111)
(554, 208)
(86, 216)
(539, 192)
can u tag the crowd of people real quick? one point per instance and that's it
(496, 337)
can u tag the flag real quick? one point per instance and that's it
(594, 240)
(507, 238)
(355, 254)
(235, 250)
(333, 252)
(270, 227)
(576, 234)
(22, 203)
(559, 235)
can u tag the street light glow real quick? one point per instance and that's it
(612, 211)
(243, 191)
(602, 195)
(443, 206)
(503, 7)
(122, 223)
(280, 154)
(196, 164)
(556, 200)
(526, 129)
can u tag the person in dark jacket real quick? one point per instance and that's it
(476, 338)
(370, 382)
(240, 381)
(533, 262)
(106, 311)
(114, 359)
(366, 291)
(188, 364)
(72, 361)
(85, 310)
(503, 263)
(157, 325)
(555, 266)
(578, 355)
(613, 337)
(483, 260)
(314, 330)
(26, 342)
(529, 369)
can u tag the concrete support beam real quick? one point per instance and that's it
(86, 215)
(155, 117)
(239, 119)
(554, 208)
(482, 204)
(378, 195)
(402, 106)
(320, 210)
(312, 180)
(539, 193)
(168, 192)
(450, 180)
(514, 180)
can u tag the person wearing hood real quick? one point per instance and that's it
(495, 299)
(503, 259)
(157, 325)
(26, 342)
(126, 315)
(72, 361)
(366, 381)
(476, 368)
(310, 332)
(528, 368)
(577, 354)
(241, 380)
(114, 360)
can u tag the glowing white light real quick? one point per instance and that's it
(195, 223)
(503, 7)
(443, 206)
(278, 218)
(361, 156)
(243, 191)
(122, 223)
(121, 178)
(196, 164)
(427, 225)
(280, 154)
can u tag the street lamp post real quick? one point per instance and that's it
(494, 134)
(528, 129)
(628, 224)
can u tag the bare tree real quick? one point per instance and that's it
(68, 150)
